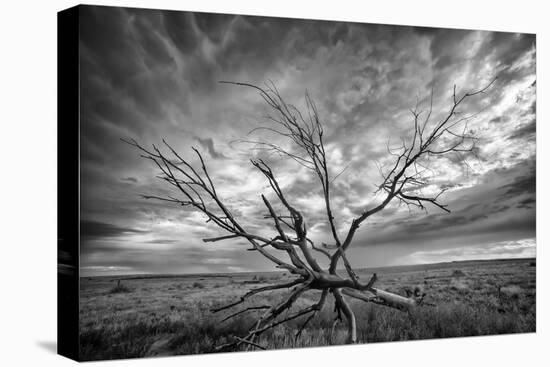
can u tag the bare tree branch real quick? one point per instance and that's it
(403, 183)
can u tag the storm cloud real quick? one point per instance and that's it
(152, 75)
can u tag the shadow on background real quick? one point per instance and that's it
(50, 346)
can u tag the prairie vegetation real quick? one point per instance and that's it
(170, 315)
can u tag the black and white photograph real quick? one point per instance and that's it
(252, 183)
(272, 184)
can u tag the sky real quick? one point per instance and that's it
(152, 75)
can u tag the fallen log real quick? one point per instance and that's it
(380, 296)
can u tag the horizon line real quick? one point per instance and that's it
(283, 271)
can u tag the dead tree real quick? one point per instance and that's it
(290, 248)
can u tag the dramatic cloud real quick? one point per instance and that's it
(153, 75)
(90, 229)
(208, 144)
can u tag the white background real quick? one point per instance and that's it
(28, 167)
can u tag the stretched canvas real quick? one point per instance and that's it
(238, 183)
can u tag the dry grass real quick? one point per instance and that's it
(170, 315)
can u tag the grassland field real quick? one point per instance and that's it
(158, 315)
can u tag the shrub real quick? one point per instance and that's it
(458, 273)
(198, 285)
(511, 290)
(119, 288)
